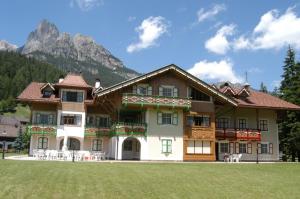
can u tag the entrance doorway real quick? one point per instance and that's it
(72, 144)
(131, 149)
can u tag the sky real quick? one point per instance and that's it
(213, 40)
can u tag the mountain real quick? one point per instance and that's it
(5, 46)
(76, 53)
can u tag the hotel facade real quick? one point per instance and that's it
(167, 114)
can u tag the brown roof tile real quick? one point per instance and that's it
(33, 93)
(74, 80)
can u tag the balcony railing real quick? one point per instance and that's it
(42, 129)
(198, 132)
(91, 130)
(135, 99)
(121, 128)
(238, 134)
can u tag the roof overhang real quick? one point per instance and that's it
(171, 67)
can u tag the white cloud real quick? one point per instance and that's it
(215, 71)
(241, 43)
(86, 5)
(149, 31)
(219, 43)
(206, 14)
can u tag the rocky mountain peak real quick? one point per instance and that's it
(5, 46)
(47, 39)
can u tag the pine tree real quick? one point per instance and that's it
(290, 91)
(263, 88)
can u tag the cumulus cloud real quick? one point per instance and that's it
(203, 14)
(149, 32)
(86, 5)
(273, 31)
(219, 43)
(215, 71)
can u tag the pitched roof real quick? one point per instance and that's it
(33, 93)
(264, 100)
(74, 80)
(257, 99)
(171, 67)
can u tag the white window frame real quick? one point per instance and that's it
(225, 117)
(168, 149)
(264, 143)
(246, 147)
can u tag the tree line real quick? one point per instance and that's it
(16, 72)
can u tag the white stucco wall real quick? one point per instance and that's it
(156, 133)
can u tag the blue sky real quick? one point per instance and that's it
(214, 40)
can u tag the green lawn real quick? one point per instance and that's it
(41, 179)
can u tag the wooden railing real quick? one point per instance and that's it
(135, 99)
(121, 128)
(117, 128)
(238, 134)
(200, 132)
(41, 129)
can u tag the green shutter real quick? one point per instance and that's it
(271, 148)
(175, 118)
(259, 148)
(169, 146)
(149, 90)
(175, 92)
(160, 89)
(134, 89)
(249, 148)
(159, 118)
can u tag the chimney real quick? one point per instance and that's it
(97, 83)
(247, 86)
(61, 78)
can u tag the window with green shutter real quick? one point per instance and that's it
(166, 146)
(167, 118)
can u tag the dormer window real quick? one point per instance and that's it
(47, 93)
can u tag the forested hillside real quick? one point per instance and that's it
(17, 71)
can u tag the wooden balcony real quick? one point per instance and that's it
(238, 134)
(41, 129)
(195, 132)
(121, 128)
(94, 131)
(151, 100)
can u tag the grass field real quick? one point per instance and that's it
(21, 111)
(41, 179)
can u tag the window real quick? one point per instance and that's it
(142, 89)
(47, 93)
(202, 120)
(89, 120)
(167, 118)
(263, 125)
(264, 148)
(44, 118)
(42, 143)
(72, 96)
(97, 145)
(224, 148)
(242, 148)
(198, 147)
(166, 146)
(198, 95)
(102, 121)
(168, 91)
(242, 123)
(222, 123)
(70, 119)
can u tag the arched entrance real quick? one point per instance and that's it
(131, 149)
(72, 144)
